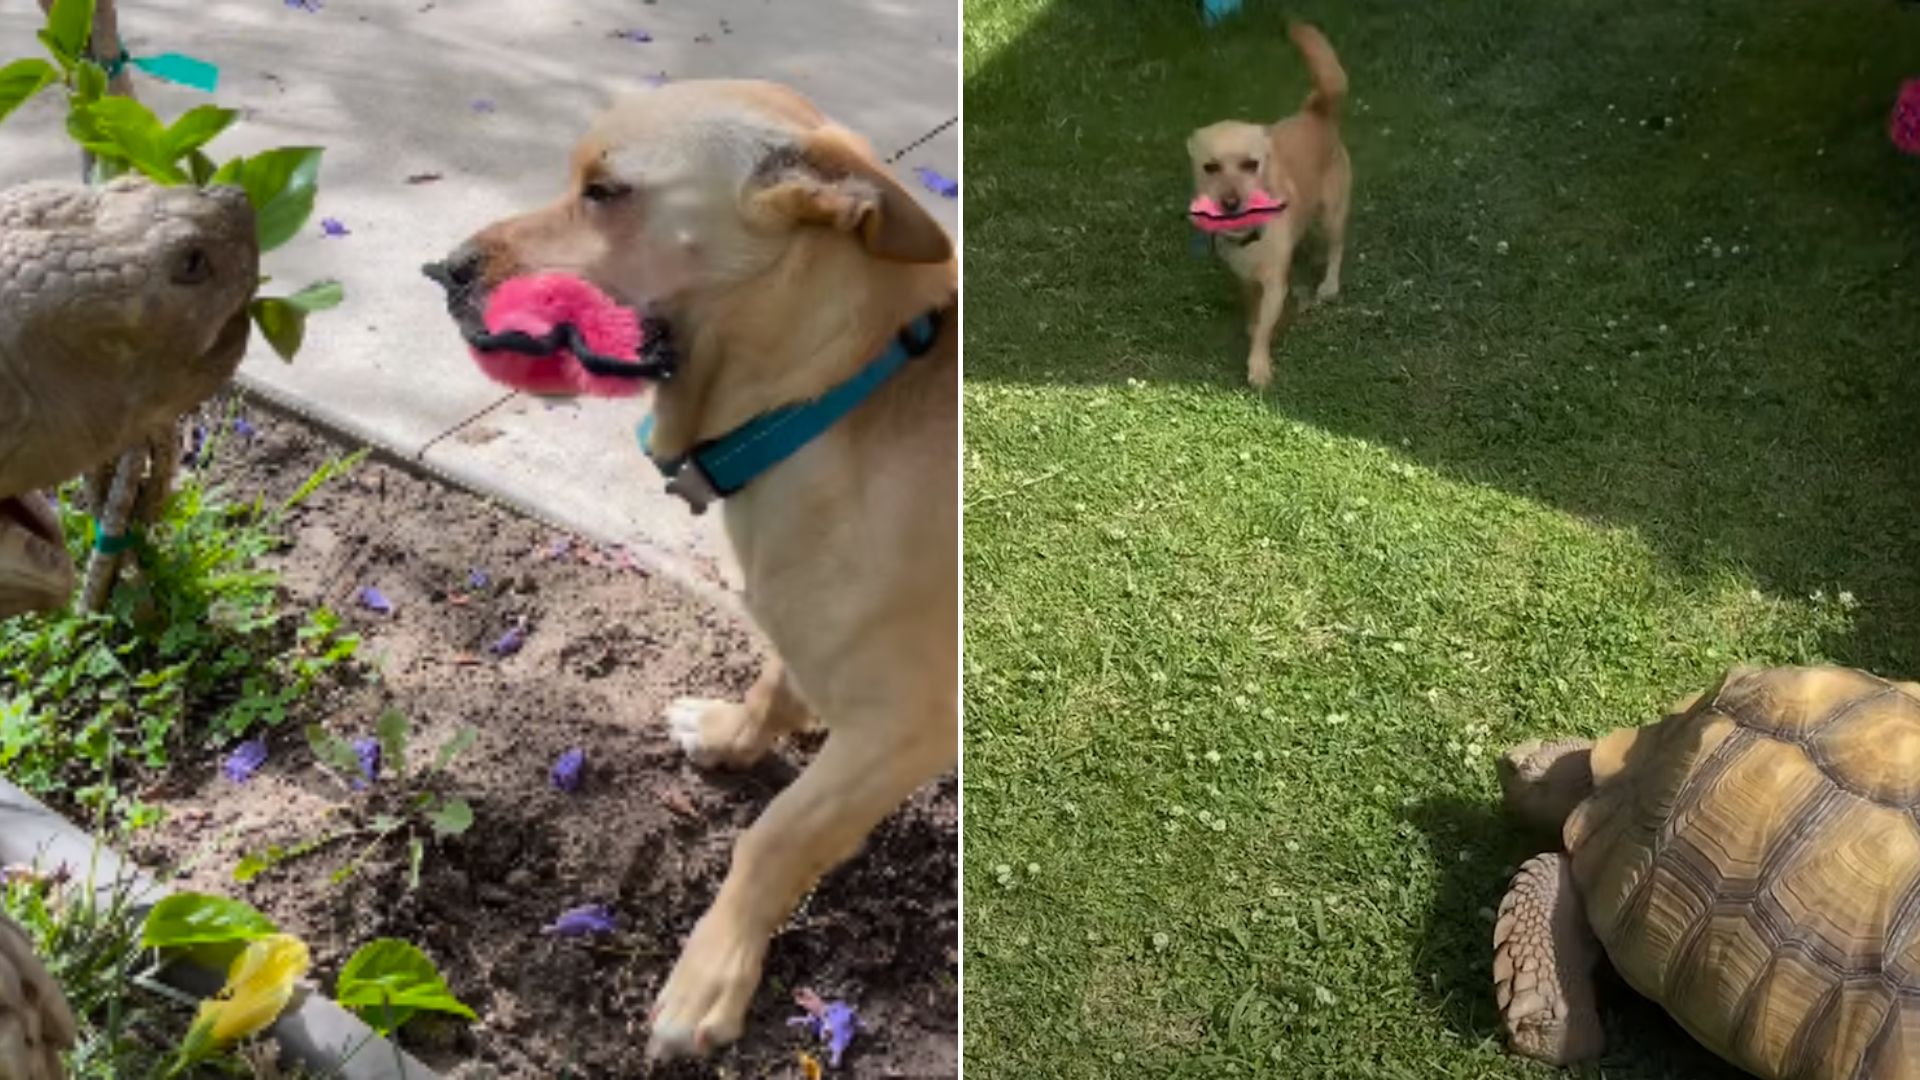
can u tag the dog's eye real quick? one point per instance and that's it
(1249, 165)
(1211, 167)
(604, 191)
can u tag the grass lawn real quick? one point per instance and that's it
(1624, 388)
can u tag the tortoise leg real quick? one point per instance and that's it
(1543, 959)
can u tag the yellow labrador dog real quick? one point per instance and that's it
(1301, 162)
(791, 269)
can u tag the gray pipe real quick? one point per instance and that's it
(314, 1030)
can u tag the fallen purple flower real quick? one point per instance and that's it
(478, 579)
(482, 105)
(305, 5)
(245, 760)
(940, 185)
(510, 641)
(243, 428)
(835, 1023)
(367, 749)
(581, 921)
(196, 447)
(374, 600)
(567, 770)
(560, 549)
(655, 81)
(333, 227)
(640, 36)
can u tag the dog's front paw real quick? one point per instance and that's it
(1328, 289)
(703, 731)
(1259, 371)
(704, 1004)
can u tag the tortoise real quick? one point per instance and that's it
(1751, 862)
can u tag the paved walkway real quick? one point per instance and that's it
(488, 95)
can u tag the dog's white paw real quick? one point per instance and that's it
(691, 722)
(1327, 291)
(704, 1004)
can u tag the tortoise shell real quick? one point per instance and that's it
(1752, 863)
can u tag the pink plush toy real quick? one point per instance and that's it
(537, 305)
(1259, 209)
(1904, 125)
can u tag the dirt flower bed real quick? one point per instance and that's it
(602, 647)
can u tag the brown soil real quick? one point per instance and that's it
(607, 646)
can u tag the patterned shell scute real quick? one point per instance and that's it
(1753, 864)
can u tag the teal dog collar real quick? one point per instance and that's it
(722, 466)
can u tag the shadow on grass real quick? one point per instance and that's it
(1456, 956)
(1653, 264)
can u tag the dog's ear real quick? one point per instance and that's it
(829, 179)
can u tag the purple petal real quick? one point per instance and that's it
(243, 428)
(245, 760)
(375, 600)
(196, 447)
(559, 549)
(483, 105)
(509, 642)
(839, 1023)
(633, 35)
(305, 5)
(333, 227)
(478, 579)
(567, 770)
(368, 751)
(936, 183)
(581, 921)
(655, 80)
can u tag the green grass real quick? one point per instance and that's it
(1606, 407)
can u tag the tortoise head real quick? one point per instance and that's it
(1542, 782)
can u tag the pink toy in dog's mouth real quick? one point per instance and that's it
(558, 335)
(1259, 209)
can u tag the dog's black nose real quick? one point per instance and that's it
(458, 270)
(1230, 203)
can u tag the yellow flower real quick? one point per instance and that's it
(259, 985)
(809, 1067)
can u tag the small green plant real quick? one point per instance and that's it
(410, 803)
(195, 650)
(389, 981)
(125, 136)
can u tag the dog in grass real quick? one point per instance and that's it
(793, 272)
(1299, 162)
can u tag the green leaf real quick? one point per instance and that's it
(138, 133)
(200, 167)
(195, 128)
(70, 25)
(22, 79)
(391, 730)
(319, 296)
(284, 325)
(59, 52)
(452, 818)
(229, 174)
(199, 919)
(333, 751)
(389, 980)
(281, 185)
(454, 747)
(89, 83)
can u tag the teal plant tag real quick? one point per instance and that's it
(184, 70)
(1215, 10)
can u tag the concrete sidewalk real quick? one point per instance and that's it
(488, 95)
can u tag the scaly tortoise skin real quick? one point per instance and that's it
(1751, 862)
